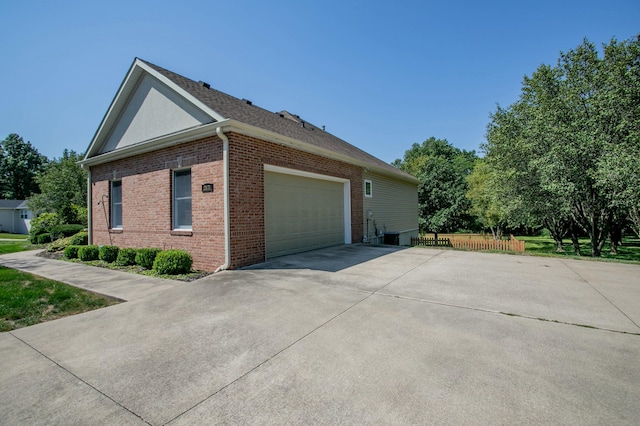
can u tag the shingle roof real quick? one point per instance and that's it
(283, 123)
(12, 204)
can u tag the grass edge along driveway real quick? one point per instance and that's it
(27, 299)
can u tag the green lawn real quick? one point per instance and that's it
(14, 246)
(4, 235)
(27, 299)
(545, 246)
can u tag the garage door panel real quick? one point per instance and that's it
(302, 213)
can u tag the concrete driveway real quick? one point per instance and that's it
(351, 334)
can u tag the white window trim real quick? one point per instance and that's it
(111, 205)
(174, 206)
(370, 194)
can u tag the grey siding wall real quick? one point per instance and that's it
(394, 204)
(10, 221)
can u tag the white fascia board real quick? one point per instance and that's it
(114, 108)
(199, 132)
(248, 130)
(119, 102)
(230, 125)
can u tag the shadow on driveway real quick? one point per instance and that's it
(330, 259)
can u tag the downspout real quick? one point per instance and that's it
(89, 209)
(225, 183)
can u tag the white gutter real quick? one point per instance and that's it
(230, 125)
(154, 144)
(270, 136)
(225, 183)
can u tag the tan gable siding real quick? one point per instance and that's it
(394, 205)
(153, 110)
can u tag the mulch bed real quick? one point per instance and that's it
(193, 276)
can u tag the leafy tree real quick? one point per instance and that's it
(484, 197)
(570, 140)
(63, 189)
(442, 170)
(512, 152)
(19, 164)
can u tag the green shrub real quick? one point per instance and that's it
(43, 238)
(126, 257)
(79, 239)
(66, 230)
(88, 253)
(108, 253)
(71, 252)
(33, 238)
(173, 262)
(43, 223)
(146, 256)
(81, 213)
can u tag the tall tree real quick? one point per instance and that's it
(19, 164)
(571, 136)
(63, 189)
(512, 152)
(442, 170)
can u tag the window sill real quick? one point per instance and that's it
(116, 231)
(181, 233)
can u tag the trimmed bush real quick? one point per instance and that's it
(126, 257)
(79, 239)
(146, 256)
(172, 262)
(108, 253)
(67, 230)
(43, 238)
(71, 252)
(88, 253)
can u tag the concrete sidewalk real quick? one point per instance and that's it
(121, 285)
(351, 335)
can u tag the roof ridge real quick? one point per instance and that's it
(282, 122)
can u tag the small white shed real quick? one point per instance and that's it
(15, 217)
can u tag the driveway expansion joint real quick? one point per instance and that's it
(509, 314)
(600, 293)
(272, 357)
(368, 295)
(79, 378)
(410, 270)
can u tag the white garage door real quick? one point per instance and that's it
(302, 213)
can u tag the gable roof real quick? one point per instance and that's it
(13, 204)
(239, 115)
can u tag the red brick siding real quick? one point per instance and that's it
(247, 157)
(146, 200)
(146, 197)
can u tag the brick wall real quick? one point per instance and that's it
(146, 200)
(146, 197)
(247, 157)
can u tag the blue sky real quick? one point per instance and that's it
(381, 75)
